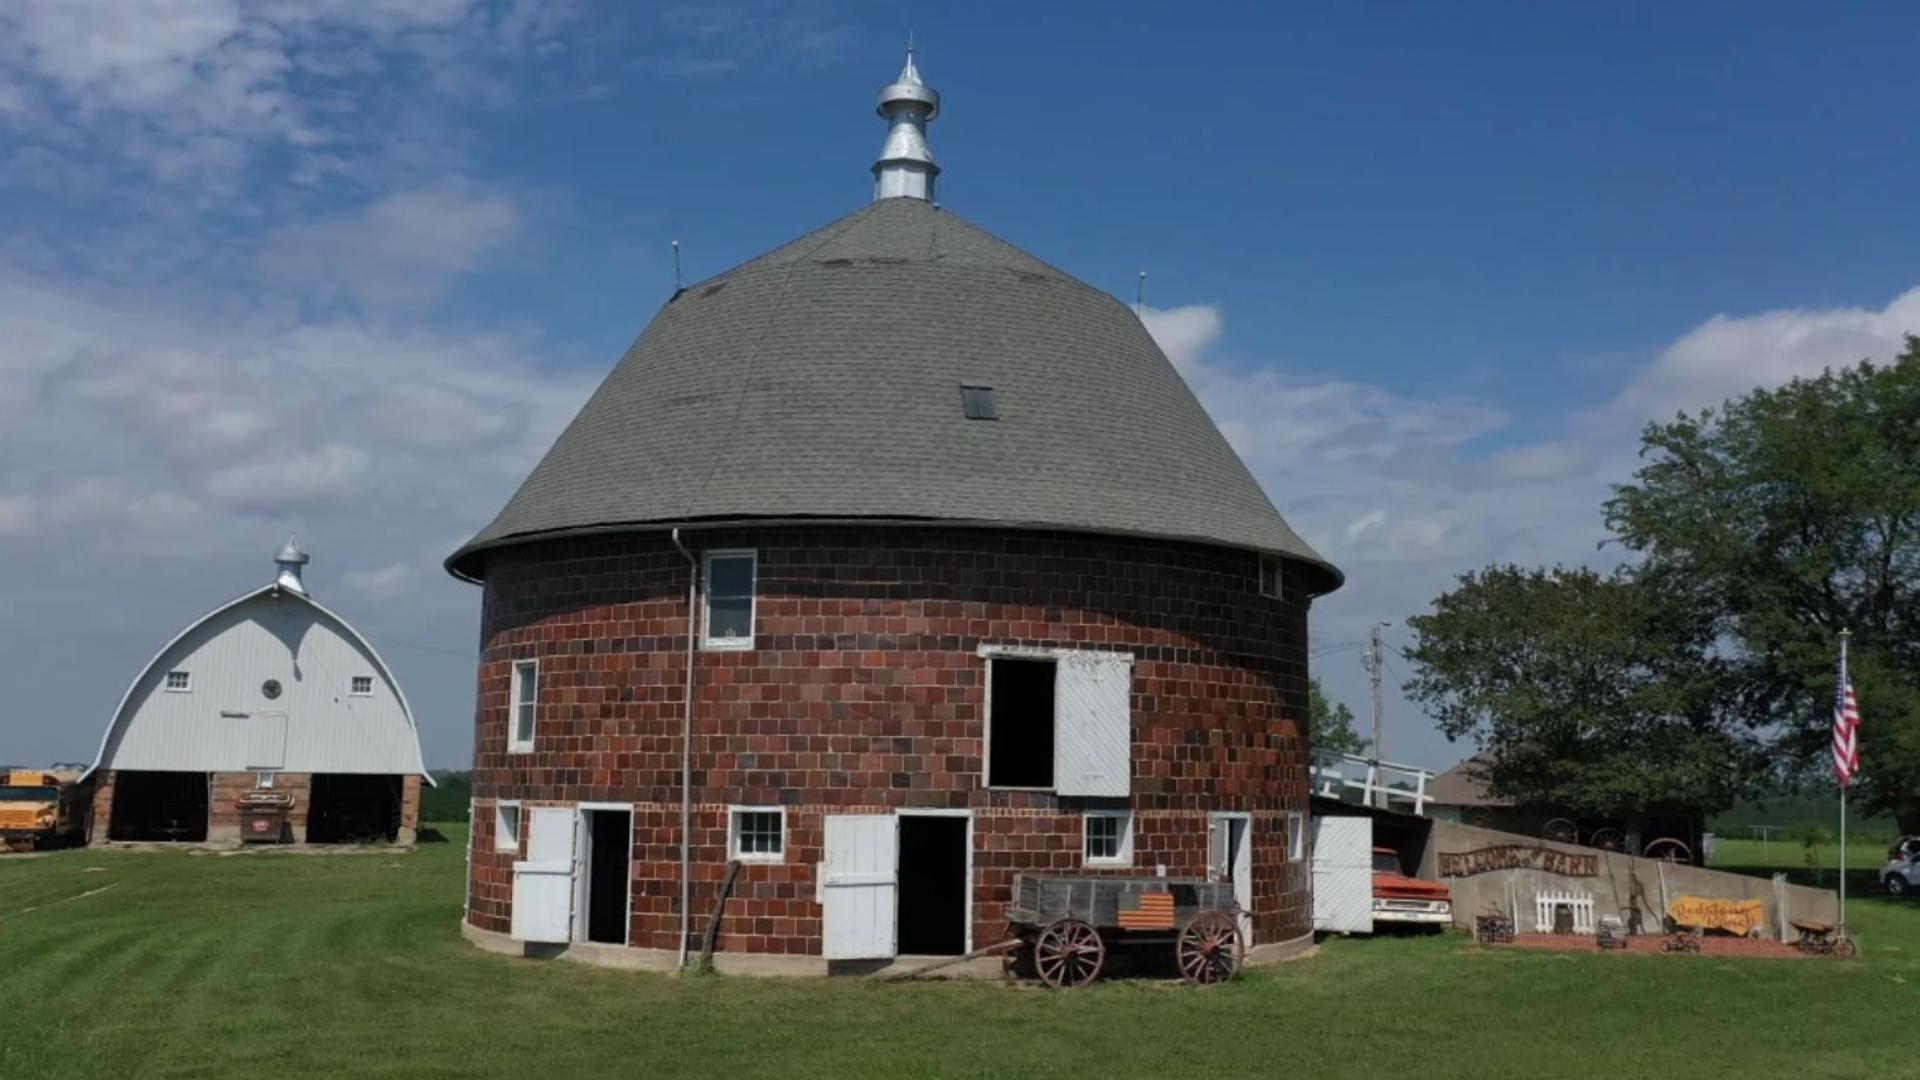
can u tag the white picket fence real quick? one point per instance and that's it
(1544, 904)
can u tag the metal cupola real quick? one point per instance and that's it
(290, 560)
(905, 169)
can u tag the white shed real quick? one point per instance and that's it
(270, 699)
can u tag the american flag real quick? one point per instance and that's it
(1846, 731)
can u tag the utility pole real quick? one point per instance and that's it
(1373, 662)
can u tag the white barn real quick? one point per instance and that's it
(268, 702)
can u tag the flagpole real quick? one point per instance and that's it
(1844, 784)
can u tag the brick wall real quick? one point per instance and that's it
(223, 817)
(864, 693)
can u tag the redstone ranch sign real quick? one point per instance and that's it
(1518, 857)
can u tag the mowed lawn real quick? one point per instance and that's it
(284, 965)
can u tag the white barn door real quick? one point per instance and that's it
(858, 884)
(543, 900)
(1343, 874)
(1093, 714)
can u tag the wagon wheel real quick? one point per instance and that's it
(1069, 953)
(1668, 848)
(1209, 948)
(1561, 831)
(1608, 840)
(1845, 949)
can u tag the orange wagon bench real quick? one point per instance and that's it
(1066, 924)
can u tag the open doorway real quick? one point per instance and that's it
(353, 808)
(608, 862)
(159, 806)
(1231, 857)
(934, 886)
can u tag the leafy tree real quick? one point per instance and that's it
(1596, 691)
(1795, 513)
(1330, 723)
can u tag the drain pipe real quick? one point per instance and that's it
(686, 756)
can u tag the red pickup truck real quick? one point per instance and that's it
(1398, 898)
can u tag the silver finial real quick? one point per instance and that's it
(290, 560)
(906, 169)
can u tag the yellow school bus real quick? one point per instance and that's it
(39, 808)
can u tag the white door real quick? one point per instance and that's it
(543, 898)
(858, 883)
(1343, 874)
(266, 742)
(1230, 858)
(1093, 731)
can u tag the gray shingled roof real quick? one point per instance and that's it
(822, 381)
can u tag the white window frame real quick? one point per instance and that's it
(353, 686)
(1296, 836)
(515, 745)
(186, 682)
(500, 831)
(1125, 855)
(1279, 577)
(707, 640)
(733, 835)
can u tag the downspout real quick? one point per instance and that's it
(686, 755)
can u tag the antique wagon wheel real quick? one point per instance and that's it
(1667, 848)
(1844, 948)
(1561, 830)
(1068, 953)
(1608, 840)
(1209, 948)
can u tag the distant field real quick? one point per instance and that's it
(271, 966)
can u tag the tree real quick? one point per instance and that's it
(1597, 692)
(1330, 723)
(1795, 513)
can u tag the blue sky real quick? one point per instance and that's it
(347, 267)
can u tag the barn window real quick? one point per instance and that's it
(362, 686)
(1059, 719)
(757, 834)
(730, 586)
(526, 699)
(1019, 722)
(1296, 836)
(1270, 577)
(179, 682)
(506, 826)
(1109, 838)
(976, 400)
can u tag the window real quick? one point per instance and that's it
(1270, 578)
(757, 834)
(526, 699)
(506, 826)
(179, 682)
(1296, 836)
(730, 581)
(976, 399)
(362, 686)
(263, 780)
(1109, 838)
(1020, 722)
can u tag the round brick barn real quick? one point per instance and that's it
(886, 566)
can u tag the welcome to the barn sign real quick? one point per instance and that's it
(1517, 857)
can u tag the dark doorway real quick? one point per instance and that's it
(348, 808)
(159, 806)
(609, 874)
(933, 885)
(1020, 723)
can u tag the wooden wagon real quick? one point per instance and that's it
(1067, 924)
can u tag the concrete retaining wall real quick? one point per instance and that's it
(1612, 888)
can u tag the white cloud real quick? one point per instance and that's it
(400, 251)
(1400, 493)
(386, 583)
(1728, 355)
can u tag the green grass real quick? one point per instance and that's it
(279, 965)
